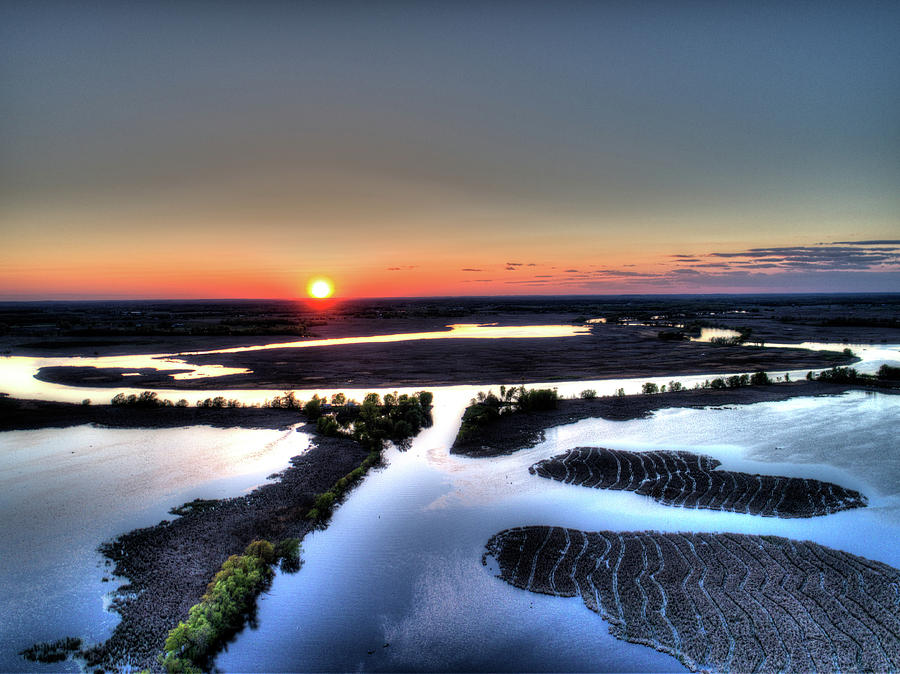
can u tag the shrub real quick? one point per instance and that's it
(760, 378)
(313, 408)
(588, 394)
(533, 400)
(620, 393)
(675, 386)
(889, 373)
(328, 425)
(228, 600)
(649, 387)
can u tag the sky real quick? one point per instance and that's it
(238, 149)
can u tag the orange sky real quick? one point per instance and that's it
(170, 150)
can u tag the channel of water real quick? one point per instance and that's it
(400, 564)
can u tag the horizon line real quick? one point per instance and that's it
(333, 299)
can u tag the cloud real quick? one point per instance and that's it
(513, 264)
(471, 269)
(859, 256)
(404, 268)
(881, 242)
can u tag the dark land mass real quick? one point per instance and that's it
(517, 430)
(642, 336)
(124, 327)
(609, 351)
(168, 566)
(689, 480)
(722, 602)
(18, 414)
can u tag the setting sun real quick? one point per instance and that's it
(320, 288)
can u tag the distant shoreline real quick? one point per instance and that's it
(22, 414)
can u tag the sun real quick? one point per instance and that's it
(320, 288)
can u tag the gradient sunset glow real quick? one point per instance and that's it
(436, 148)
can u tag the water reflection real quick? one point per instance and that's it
(65, 491)
(400, 563)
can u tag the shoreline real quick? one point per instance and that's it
(615, 353)
(167, 566)
(519, 430)
(19, 414)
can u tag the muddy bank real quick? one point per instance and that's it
(169, 565)
(17, 414)
(606, 352)
(526, 429)
(725, 602)
(689, 480)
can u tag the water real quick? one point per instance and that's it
(63, 492)
(400, 563)
(17, 372)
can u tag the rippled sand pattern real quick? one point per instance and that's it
(729, 602)
(693, 481)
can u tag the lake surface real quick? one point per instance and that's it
(400, 563)
(17, 372)
(65, 491)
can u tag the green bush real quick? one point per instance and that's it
(224, 607)
(588, 394)
(536, 399)
(888, 373)
(760, 378)
(649, 387)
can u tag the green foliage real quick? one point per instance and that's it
(328, 425)
(839, 375)
(313, 408)
(718, 383)
(675, 386)
(145, 399)
(397, 418)
(888, 373)
(86, 402)
(224, 607)
(197, 505)
(620, 393)
(649, 387)
(760, 378)
(288, 551)
(588, 394)
(536, 399)
(213, 403)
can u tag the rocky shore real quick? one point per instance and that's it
(692, 481)
(518, 430)
(168, 566)
(725, 602)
